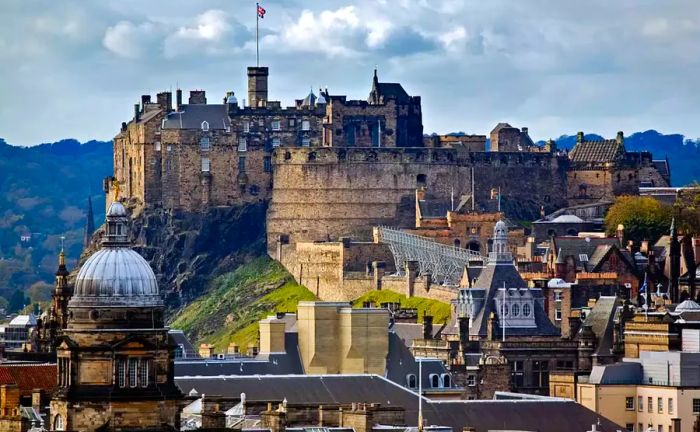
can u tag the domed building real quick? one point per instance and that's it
(115, 360)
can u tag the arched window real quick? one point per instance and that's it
(205, 125)
(474, 246)
(434, 380)
(515, 310)
(411, 381)
(58, 423)
(572, 232)
(527, 310)
(446, 381)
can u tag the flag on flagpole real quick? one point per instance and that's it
(261, 11)
(641, 296)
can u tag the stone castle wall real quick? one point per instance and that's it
(325, 193)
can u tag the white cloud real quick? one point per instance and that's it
(558, 67)
(130, 40)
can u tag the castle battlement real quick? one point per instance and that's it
(457, 156)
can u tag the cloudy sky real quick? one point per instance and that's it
(74, 68)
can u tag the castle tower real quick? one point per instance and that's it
(257, 86)
(89, 224)
(115, 360)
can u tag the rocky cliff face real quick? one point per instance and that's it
(188, 249)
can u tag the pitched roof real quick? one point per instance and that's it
(493, 277)
(178, 338)
(28, 377)
(191, 117)
(597, 151)
(500, 126)
(662, 167)
(263, 364)
(578, 246)
(392, 91)
(543, 415)
(601, 319)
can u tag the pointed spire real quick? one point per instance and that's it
(89, 224)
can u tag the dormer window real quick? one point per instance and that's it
(446, 380)
(435, 380)
(205, 126)
(527, 310)
(515, 309)
(411, 381)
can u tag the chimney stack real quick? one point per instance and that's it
(137, 112)
(145, 100)
(165, 101)
(427, 327)
(198, 97)
(178, 99)
(257, 86)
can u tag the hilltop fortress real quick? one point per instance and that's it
(330, 168)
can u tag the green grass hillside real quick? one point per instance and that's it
(439, 310)
(234, 303)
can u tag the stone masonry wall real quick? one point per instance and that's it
(323, 194)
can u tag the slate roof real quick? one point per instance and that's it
(500, 126)
(542, 415)
(408, 332)
(191, 117)
(601, 318)
(617, 373)
(662, 167)
(263, 364)
(178, 338)
(492, 277)
(577, 246)
(28, 377)
(433, 208)
(392, 91)
(597, 151)
(400, 363)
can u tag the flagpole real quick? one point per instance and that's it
(257, 34)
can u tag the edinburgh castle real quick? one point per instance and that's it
(328, 169)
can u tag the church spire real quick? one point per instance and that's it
(89, 224)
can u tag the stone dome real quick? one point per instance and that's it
(116, 275)
(687, 305)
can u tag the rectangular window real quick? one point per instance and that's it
(629, 427)
(661, 428)
(169, 147)
(640, 404)
(670, 405)
(650, 404)
(121, 373)
(132, 372)
(157, 145)
(204, 143)
(276, 142)
(143, 372)
(640, 428)
(557, 314)
(292, 122)
(540, 373)
(205, 164)
(660, 405)
(629, 404)
(471, 380)
(276, 125)
(696, 406)
(241, 164)
(305, 125)
(516, 372)
(246, 126)
(242, 145)
(305, 142)
(267, 164)
(557, 296)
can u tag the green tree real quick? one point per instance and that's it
(686, 209)
(17, 302)
(643, 218)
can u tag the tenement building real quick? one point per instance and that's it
(115, 361)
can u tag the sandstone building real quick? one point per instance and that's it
(115, 361)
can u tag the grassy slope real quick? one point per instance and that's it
(439, 310)
(234, 303)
